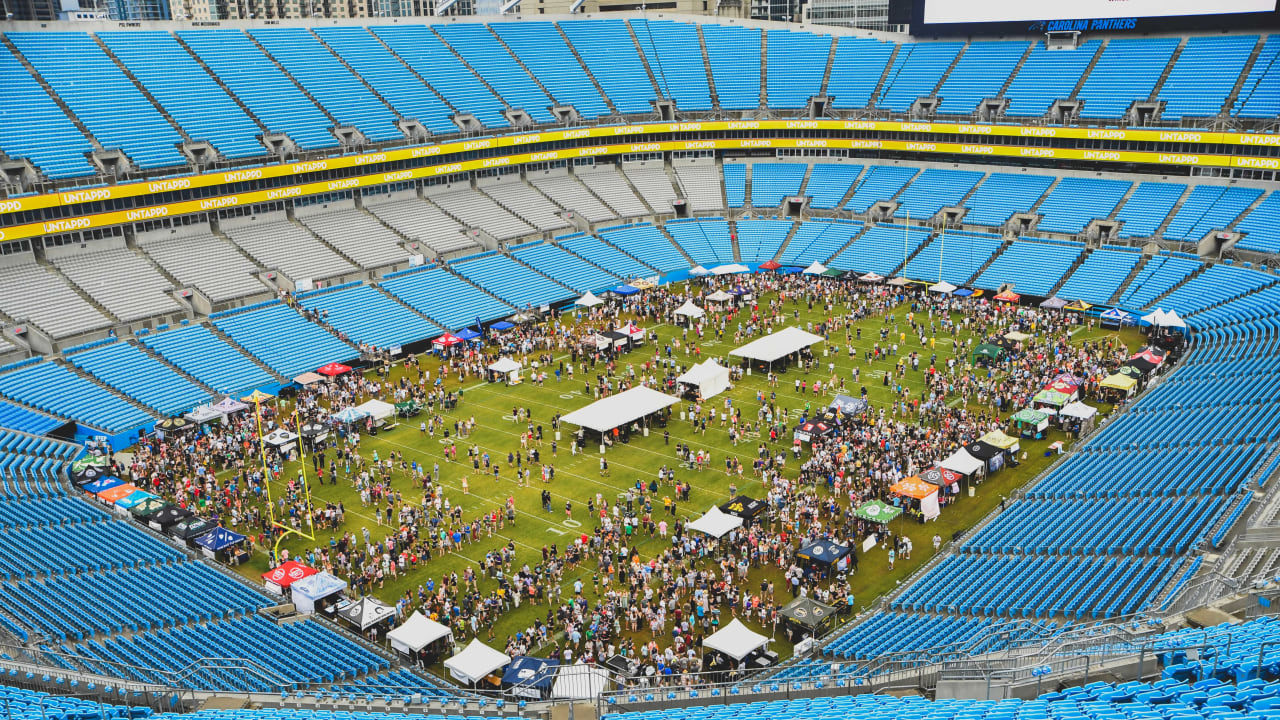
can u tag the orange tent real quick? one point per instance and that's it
(913, 487)
(111, 495)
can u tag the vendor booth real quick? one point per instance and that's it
(622, 411)
(706, 379)
(308, 379)
(383, 413)
(1007, 296)
(947, 480)
(203, 414)
(421, 639)
(744, 507)
(315, 593)
(813, 431)
(279, 578)
(969, 468)
(1115, 317)
(225, 545)
(281, 440)
(229, 405)
(334, 369)
(823, 556)
(588, 301)
(715, 522)
(505, 370)
(987, 353)
(771, 348)
(101, 485)
(739, 644)
(446, 341)
(805, 616)
(1050, 398)
(143, 511)
(167, 517)
(689, 311)
(920, 497)
(943, 287)
(877, 511)
(1078, 418)
(730, 269)
(190, 529)
(998, 439)
(1119, 386)
(530, 677)
(366, 613)
(88, 468)
(719, 296)
(1030, 423)
(993, 458)
(477, 662)
(849, 406)
(816, 268)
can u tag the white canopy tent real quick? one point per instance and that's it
(715, 522)
(942, 286)
(699, 271)
(203, 414)
(416, 633)
(620, 409)
(777, 345)
(689, 310)
(962, 462)
(816, 268)
(1155, 317)
(1171, 320)
(589, 300)
(580, 682)
(736, 640)
(508, 368)
(307, 591)
(1078, 409)
(730, 269)
(710, 377)
(719, 296)
(378, 409)
(475, 661)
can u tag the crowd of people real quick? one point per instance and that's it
(602, 595)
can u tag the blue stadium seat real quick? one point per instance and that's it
(609, 53)
(32, 126)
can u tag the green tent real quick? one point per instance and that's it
(89, 461)
(988, 351)
(877, 511)
(408, 409)
(1051, 397)
(1029, 416)
(832, 272)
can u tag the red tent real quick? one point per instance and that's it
(771, 265)
(286, 574)
(1008, 296)
(334, 369)
(446, 340)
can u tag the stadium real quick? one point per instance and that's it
(771, 360)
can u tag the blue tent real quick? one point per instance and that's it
(530, 677)
(825, 552)
(219, 539)
(103, 484)
(467, 334)
(504, 325)
(626, 290)
(350, 415)
(963, 292)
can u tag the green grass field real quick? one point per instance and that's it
(578, 478)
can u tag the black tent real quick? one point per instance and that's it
(191, 528)
(812, 430)
(825, 553)
(744, 507)
(991, 456)
(808, 614)
(848, 405)
(167, 516)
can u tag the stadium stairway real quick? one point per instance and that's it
(301, 88)
(1155, 302)
(1088, 70)
(587, 70)
(361, 78)
(182, 132)
(109, 388)
(218, 333)
(1069, 272)
(1168, 68)
(479, 77)
(1234, 95)
(521, 64)
(999, 251)
(181, 373)
(209, 71)
(1124, 284)
(706, 63)
(44, 85)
